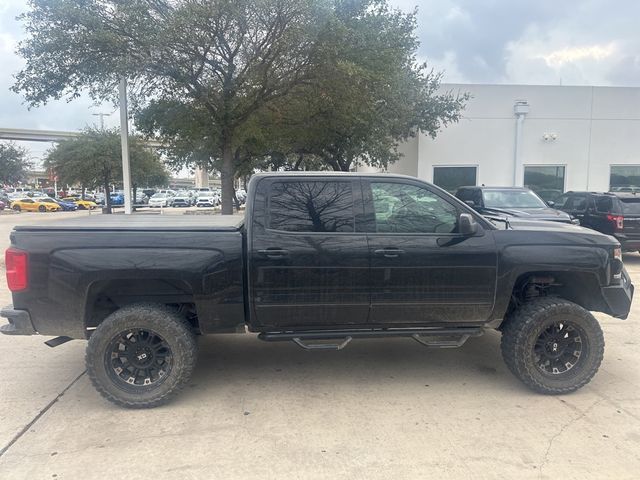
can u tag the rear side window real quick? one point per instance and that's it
(311, 206)
(630, 205)
(604, 204)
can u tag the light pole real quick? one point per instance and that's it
(124, 139)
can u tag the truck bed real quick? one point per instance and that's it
(170, 259)
(141, 222)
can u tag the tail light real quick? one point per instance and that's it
(616, 264)
(16, 263)
(618, 222)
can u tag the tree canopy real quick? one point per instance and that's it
(231, 83)
(14, 163)
(95, 159)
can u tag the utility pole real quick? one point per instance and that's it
(101, 115)
(124, 139)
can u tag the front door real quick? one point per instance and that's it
(422, 271)
(308, 263)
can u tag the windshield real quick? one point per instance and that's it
(630, 205)
(511, 199)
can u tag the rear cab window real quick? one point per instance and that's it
(311, 206)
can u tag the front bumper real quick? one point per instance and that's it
(19, 322)
(619, 297)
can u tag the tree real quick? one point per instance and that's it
(224, 58)
(368, 94)
(13, 163)
(95, 159)
(365, 93)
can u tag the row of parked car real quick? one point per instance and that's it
(46, 201)
(37, 201)
(612, 213)
(203, 197)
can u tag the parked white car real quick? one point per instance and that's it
(207, 200)
(160, 200)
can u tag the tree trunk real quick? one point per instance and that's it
(83, 191)
(107, 197)
(226, 176)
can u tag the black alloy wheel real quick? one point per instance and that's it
(559, 348)
(138, 358)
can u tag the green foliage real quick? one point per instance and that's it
(13, 163)
(95, 159)
(368, 94)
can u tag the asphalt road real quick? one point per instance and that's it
(376, 410)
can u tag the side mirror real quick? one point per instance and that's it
(551, 203)
(467, 225)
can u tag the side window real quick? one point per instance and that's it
(563, 202)
(579, 203)
(603, 204)
(402, 208)
(311, 206)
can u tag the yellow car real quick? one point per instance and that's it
(33, 205)
(82, 204)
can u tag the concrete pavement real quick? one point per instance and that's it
(378, 409)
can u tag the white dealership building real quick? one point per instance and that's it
(550, 138)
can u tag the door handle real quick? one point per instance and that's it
(274, 252)
(389, 252)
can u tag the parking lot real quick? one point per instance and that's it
(379, 408)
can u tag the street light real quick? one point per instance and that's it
(101, 115)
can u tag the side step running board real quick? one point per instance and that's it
(322, 346)
(429, 337)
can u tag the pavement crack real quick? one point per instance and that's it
(583, 414)
(26, 428)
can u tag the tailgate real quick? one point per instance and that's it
(631, 214)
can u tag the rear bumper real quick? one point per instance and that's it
(619, 297)
(628, 244)
(19, 322)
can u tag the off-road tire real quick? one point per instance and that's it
(523, 328)
(164, 322)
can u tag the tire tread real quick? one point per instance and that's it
(522, 320)
(154, 315)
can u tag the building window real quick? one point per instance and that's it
(312, 206)
(624, 178)
(547, 181)
(452, 178)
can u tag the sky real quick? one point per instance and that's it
(547, 42)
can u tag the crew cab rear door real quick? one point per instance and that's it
(308, 263)
(422, 270)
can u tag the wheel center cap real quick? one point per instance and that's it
(142, 357)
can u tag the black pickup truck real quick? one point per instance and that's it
(319, 259)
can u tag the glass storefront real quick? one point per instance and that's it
(452, 178)
(624, 178)
(546, 180)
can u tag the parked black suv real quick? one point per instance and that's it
(516, 202)
(614, 213)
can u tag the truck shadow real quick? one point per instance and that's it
(242, 361)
